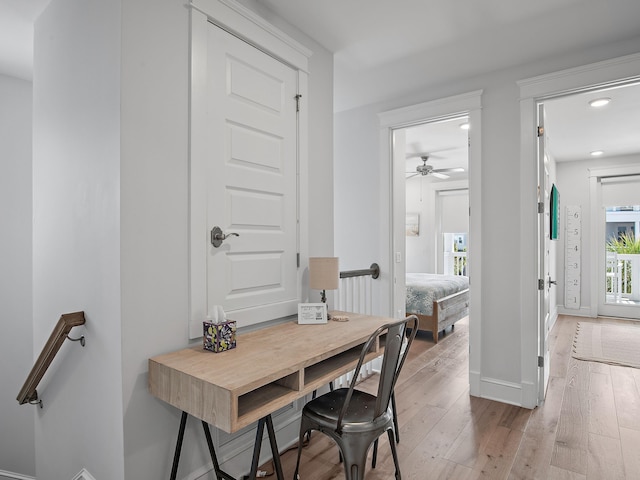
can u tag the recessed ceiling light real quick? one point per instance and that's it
(596, 153)
(464, 126)
(599, 102)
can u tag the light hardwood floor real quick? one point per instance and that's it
(588, 427)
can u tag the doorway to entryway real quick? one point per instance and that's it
(591, 135)
(579, 190)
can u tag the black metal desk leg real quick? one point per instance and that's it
(256, 450)
(176, 455)
(220, 475)
(274, 448)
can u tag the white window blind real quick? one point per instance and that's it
(455, 211)
(621, 191)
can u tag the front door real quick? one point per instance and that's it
(250, 175)
(544, 278)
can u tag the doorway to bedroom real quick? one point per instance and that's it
(435, 155)
(394, 125)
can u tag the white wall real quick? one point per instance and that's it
(154, 255)
(420, 251)
(438, 214)
(356, 183)
(76, 236)
(357, 146)
(17, 449)
(573, 184)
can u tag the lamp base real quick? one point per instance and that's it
(323, 299)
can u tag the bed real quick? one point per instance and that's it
(437, 300)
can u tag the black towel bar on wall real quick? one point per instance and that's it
(373, 270)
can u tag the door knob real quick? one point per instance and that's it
(218, 236)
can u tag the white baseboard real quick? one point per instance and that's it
(579, 312)
(474, 383)
(16, 476)
(84, 475)
(505, 392)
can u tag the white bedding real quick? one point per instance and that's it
(424, 288)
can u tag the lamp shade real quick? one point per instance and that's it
(324, 273)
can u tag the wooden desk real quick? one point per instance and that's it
(269, 369)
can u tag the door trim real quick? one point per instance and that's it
(253, 29)
(465, 104)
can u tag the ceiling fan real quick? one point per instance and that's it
(425, 169)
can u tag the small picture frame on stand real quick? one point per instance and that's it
(312, 313)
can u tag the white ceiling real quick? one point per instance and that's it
(574, 129)
(445, 145)
(435, 41)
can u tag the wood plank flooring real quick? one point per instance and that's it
(587, 429)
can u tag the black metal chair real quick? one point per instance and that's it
(355, 419)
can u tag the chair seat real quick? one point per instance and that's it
(355, 419)
(324, 411)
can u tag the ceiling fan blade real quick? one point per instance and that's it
(432, 153)
(412, 175)
(439, 175)
(448, 170)
(423, 154)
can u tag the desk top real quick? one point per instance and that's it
(268, 369)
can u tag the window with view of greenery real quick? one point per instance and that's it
(624, 244)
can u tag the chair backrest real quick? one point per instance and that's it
(392, 362)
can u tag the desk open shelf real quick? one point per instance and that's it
(269, 369)
(261, 399)
(323, 372)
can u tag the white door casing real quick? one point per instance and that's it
(392, 194)
(247, 161)
(399, 211)
(544, 278)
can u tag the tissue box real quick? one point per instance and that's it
(218, 337)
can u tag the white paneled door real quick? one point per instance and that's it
(251, 181)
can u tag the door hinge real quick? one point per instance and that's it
(540, 207)
(541, 284)
(540, 362)
(298, 260)
(298, 97)
(540, 131)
